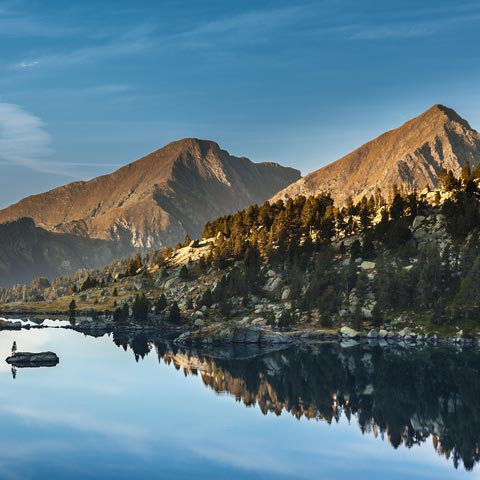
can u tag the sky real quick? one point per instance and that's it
(86, 87)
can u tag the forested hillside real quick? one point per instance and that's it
(390, 257)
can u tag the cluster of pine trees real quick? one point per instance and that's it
(315, 247)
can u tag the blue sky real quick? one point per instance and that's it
(88, 86)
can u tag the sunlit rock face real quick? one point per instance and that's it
(409, 156)
(150, 203)
(405, 396)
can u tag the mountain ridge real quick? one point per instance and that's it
(147, 204)
(409, 155)
(135, 199)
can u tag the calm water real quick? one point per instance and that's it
(134, 408)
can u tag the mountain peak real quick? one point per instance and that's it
(442, 113)
(155, 200)
(410, 155)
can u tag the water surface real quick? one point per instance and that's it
(135, 407)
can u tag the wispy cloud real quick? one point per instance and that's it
(130, 437)
(135, 41)
(229, 32)
(16, 23)
(27, 64)
(405, 30)
(24, 139)
(249, 27)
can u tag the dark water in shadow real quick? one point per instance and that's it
(150, 410)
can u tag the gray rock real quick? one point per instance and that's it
(418, 220)
(372, 333)
(366, 265)
(382, 333)
(199, 323)
(286, 293)
(348, 332)
(405, 332)
(27, 359)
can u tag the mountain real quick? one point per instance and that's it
(154, 201)
(410, 155)
(28, 252)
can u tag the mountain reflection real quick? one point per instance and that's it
(405, 396)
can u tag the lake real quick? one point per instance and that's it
(133, 406)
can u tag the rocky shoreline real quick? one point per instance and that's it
(244, 331)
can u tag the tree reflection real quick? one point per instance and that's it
(405, 396)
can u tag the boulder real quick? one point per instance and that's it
(272, 284)
(372, 333)
(405, 332)
(348, 332)
(418, 220)
(367, 312)
(382, 333)
(286, 293)
(366, 265)
(27, 359)
(8, 325)
(199, 323)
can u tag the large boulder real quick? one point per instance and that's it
(348, 332)
(27, 359)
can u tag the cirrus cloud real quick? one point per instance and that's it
(24, 139)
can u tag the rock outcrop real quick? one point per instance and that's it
(225, 334)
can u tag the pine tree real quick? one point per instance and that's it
(160, 304)
(207, 298)
(183, 273)
(140, 307)
(72, 308)
(174, 315)
(466, 172)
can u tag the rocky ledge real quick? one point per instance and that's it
(27, 359)
(10, 325)
(233, 334)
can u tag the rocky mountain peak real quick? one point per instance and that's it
(410, 155)
(154, 201)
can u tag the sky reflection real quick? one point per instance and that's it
(101, 414)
